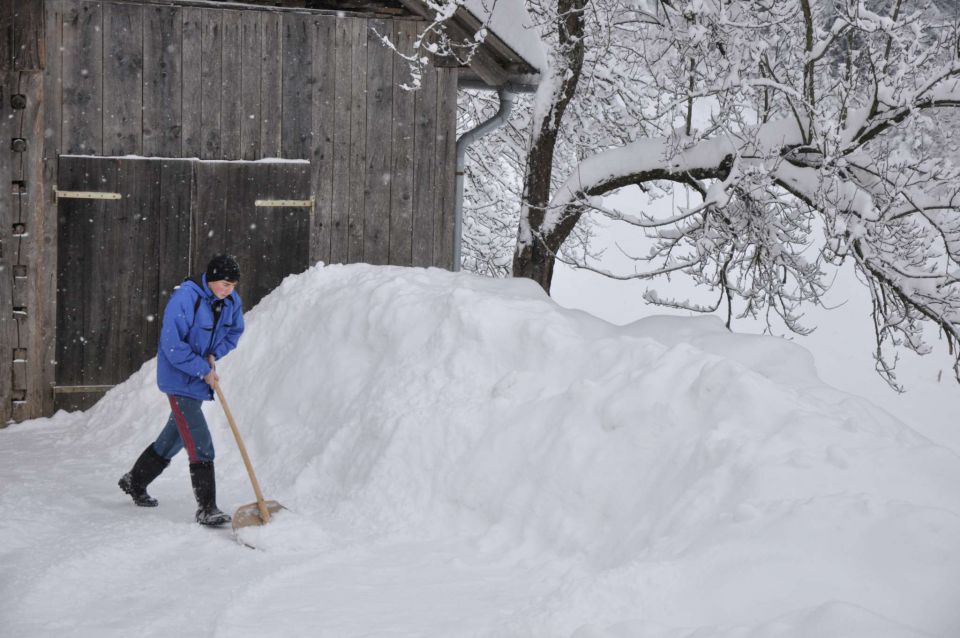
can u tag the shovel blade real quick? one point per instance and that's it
(248, 515)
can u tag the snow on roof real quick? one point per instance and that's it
(511, 22)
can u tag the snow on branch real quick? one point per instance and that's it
(809, 136)
(833, 150)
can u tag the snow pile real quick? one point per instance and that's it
(674, 479)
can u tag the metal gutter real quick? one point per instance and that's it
(507, 97)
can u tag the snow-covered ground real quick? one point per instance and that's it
(464, 457)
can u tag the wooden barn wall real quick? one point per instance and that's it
(118, 78)
(124, 78)
(178, 81)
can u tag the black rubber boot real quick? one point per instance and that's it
(205, 489)
(135, 482)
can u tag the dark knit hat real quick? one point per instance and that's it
(223, 267)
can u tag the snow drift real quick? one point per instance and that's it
(677, 478)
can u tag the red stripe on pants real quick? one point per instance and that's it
(184, 429)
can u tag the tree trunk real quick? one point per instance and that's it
(536, 246)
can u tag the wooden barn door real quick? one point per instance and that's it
(123, 236)
(131, 229)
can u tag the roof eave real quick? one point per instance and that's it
(493, 63)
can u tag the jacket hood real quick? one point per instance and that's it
(199, 284)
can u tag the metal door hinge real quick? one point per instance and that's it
(76, 389)
(292, 203)
(84, 194)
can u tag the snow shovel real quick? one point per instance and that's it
(255, 513)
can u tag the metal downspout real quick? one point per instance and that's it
(507, 98)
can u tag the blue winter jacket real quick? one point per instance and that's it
(186, 338)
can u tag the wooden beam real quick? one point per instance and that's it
(27, 42)
(53, 119)
(8, 339)
(6, 35)
(350, 8)
(30, 245)
(482, 62)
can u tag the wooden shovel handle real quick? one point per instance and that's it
(261, 505)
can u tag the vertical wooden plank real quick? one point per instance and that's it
(151, 231)
(27, 41)
(231, 92)
(251, 37)
(379, 134)
(176, 177)
(99, 305)
(236, 210)
(298, 83)
(446, 167)
(47, 271)
(271, 85)
(425, 144)
(190, 64)
(162, 80)
(123, 79)
(340, 188)
(401, 189)
(6, 40)
(82, 79)
(293, 229)
(324, 96)
(71, 267)
(208, 200)
(7, 255)
(211, 70)
(134, 244)
(106, 300)
(252, 237)
(121, 287)
(358, 141)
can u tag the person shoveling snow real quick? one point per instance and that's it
(464, 458)
(202, 322)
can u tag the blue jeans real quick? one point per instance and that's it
(186, 428)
